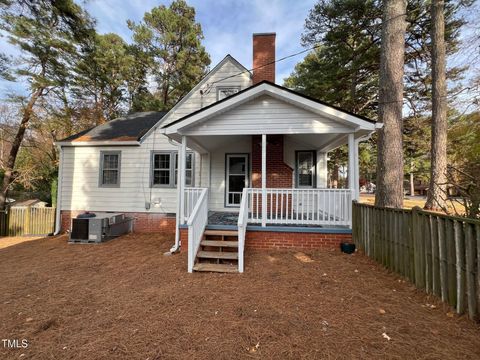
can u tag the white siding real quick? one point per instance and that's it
(81, 171)
(196, 101)
(278, 116)
(80, 183)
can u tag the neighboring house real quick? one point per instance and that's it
(36, 203)
(234, 133)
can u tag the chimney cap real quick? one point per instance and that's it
(264, 34)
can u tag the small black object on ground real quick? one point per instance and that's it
(347, 248)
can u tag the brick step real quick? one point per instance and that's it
(215, 267)
(217, 255)
(219, 243)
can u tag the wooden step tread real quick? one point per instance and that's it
(221, 232)
(215, 267)
(217, 255)
(220, 243)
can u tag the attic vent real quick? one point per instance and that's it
(226, 91)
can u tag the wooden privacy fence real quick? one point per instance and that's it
(438, 253)
(27, 221)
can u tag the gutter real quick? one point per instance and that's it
(97, 143)
(58, 219)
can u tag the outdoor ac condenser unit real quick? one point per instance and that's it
(98, 228)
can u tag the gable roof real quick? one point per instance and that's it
(268, 87)
(228, 57)
(123, 129)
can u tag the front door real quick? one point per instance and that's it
(236, 176)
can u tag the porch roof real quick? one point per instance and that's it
(337, 119)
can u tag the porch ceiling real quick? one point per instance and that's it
(321, 142)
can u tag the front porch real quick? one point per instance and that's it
(263, 168)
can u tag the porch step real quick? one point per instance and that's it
(221, 232)
(225, 268)
(220, 243)
(217, 255)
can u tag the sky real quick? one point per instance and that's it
(227, 25)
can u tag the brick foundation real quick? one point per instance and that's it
(298, 240)
(152, 223)
(143, 223)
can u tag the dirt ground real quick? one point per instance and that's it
(125, 300)
(14, 240)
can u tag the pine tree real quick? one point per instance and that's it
(389, 190)
(436, 198)
(46, 33)
(171, 40)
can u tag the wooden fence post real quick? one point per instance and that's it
(470, 269)
(460, 262)
(418, 252)
(442, 253)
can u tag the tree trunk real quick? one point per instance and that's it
(17, 141)
(334, 184)
(389, 191)
(437, 190)
(412, 184)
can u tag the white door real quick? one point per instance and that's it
(236, 176)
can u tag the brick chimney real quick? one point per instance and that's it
(264, 53)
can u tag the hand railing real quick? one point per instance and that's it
(197, 221)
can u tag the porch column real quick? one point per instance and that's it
(180, 191)
(351, 161)
(181, 177)
(356, 172)
(322, 170)
(264, 180)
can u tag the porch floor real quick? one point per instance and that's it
(229, 220)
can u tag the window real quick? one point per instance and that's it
(110, 168)
(165, 169)
(188, 169)
(305, 169)
(226, 91)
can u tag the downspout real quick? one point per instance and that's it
(58, 218)
(176, 247)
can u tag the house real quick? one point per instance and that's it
(239, 161)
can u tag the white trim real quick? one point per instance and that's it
(58, 215)
(97, 143)
(268, 89)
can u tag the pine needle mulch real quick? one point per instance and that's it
(125, 300)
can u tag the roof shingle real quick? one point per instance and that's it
(128, 128)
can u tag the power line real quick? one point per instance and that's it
(209, 85)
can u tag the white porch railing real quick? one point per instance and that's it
(242, 228)
(301, 206)
(197, 221)
(191, 197)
